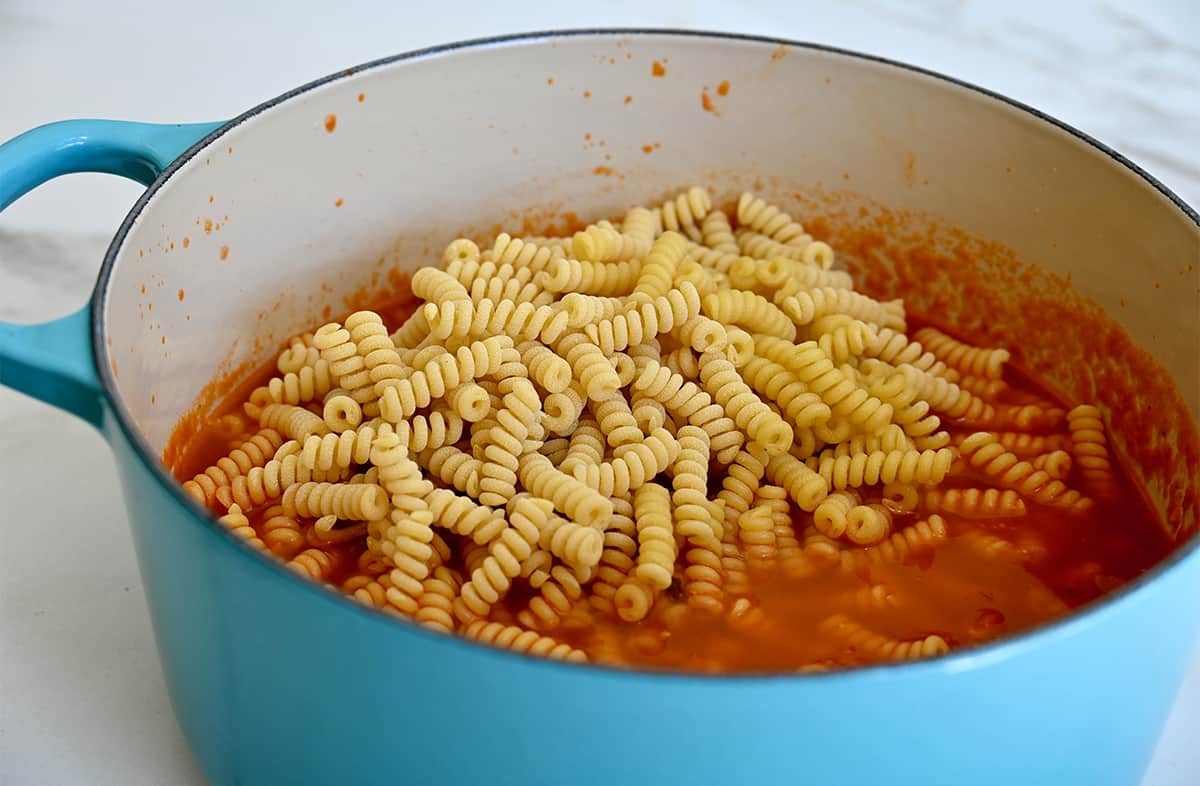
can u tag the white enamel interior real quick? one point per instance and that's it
(458, 139)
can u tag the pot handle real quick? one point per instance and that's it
(53, 361)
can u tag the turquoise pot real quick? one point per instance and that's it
(278, 681)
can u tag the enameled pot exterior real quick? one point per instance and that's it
(297, 203)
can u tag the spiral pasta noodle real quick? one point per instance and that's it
(307, 383)
(899, 547)
(876, 644)
(657, 276)
(293, 422)
(831, 516)
(922, 467)
(435, 603)
(236, 522)
(806, 306)
(682, 213)
(987, 456)
(644, 320)
(812, 367)
(491, 580)
(975, 503)
(975, 361)
(1090, 449)
(752, 311)
(717, 233)
(346, 365)
(723, 382)
(656, 541)
(254, 452)
(517, 639)
(756, 214)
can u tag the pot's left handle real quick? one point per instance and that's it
(53, 361)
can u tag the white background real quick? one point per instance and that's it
(82, 699)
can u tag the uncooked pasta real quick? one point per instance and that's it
(679, 438)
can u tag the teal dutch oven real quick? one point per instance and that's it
(249, 227)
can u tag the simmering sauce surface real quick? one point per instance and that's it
(988, 578)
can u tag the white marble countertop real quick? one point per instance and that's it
(82, 698)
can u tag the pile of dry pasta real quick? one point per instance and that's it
(646, 412)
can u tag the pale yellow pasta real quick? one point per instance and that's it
(293, 422)
(463, 516)
(901, 497)
(435, 604)
(645, 319)
(899, 547)
(618, 557)
(975, 503)
(843, 338)
(585, 309)
(352, 446)
(342, 413)
(300, 353)
(923, 467)
(756, 214)
(806, 487)
(575, 499)
(503, 443)
(686, 401)
(756, 533)
(868, 524)
(722, 381)
(689, 483)
(517, 639)
(236, 522)
(605, 244)
(657, 276)
(749, 310)
(460, 250)
(491, 580)
(976, 361)
(631, 466)
(893, 347)
(307, 383)
(778, 271)
(813, 367)
(590, 278)
(589, 365)
(453, 467)
(682, 213)
(807, 305)
(648, 413)
(717, 234)
(507, 250)
(656, 541)
(831, 516)
(946, 397)
(577, 545)
(546, 368)
(556, 596)
(247, 455)
(987, 456)
(758, 246)
(740, 484)
(347, 367)
(802, 408)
